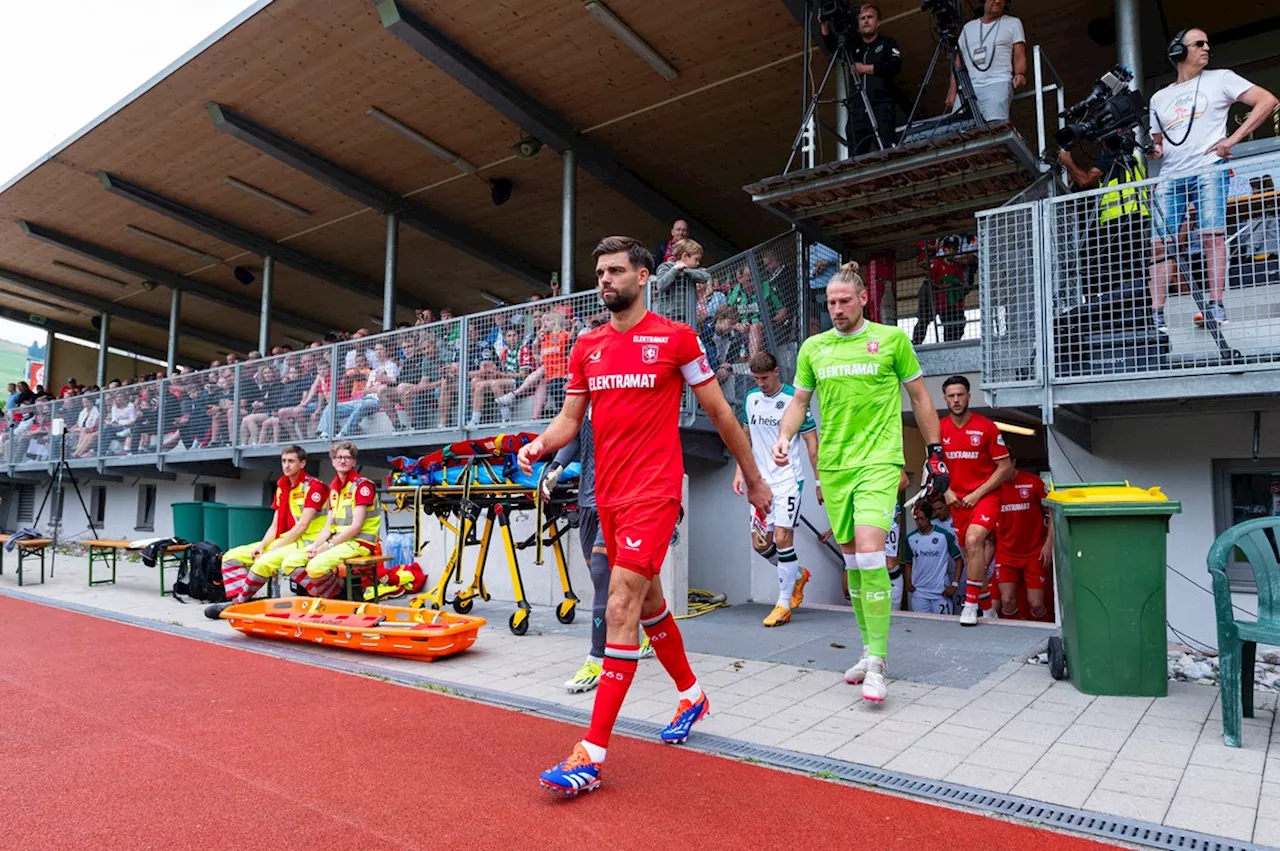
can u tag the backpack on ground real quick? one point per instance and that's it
(200, 576)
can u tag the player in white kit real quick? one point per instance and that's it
(932, 564)
(774, 536)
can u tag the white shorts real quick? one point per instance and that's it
(934, 604)
(895, 592)
(785, 511)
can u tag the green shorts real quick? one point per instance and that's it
(862, 496)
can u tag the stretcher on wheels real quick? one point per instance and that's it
(369, 627)
(478, 479)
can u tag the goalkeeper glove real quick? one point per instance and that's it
(936, 477)
(550, 475)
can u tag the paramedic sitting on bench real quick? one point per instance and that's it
(350, 532)
(299, 503)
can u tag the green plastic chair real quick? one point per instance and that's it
(1238, 640)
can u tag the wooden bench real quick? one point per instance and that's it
(27, 548)
(362, 568)
(105, 552)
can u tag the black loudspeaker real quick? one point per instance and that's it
(499, 191)
(1177, 50)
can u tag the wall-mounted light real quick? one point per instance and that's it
(631, 39)
(490, 297)
(409, 133)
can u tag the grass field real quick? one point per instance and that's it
(12, 364)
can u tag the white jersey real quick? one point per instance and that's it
(933, 557)
(762, 415)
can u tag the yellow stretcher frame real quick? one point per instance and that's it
(466, 502)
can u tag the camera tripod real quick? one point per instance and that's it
(843, 53)
(56, 489)
(948, 44)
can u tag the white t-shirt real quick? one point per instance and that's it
(1171, 114)
(987, 49)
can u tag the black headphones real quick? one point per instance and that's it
(1177, 51)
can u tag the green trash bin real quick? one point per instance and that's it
(246, 523)
(188, 521)
(215, 524)
(1109, 551)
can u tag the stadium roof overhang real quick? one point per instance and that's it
(299, 125)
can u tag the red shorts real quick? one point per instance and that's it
(984, 514)
(637, 535)
(1029, 569)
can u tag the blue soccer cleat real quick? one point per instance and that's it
(687, 714)
(575, 775)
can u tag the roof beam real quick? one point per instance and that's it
(54, 326)
(535, 118)
(239, 237)
(160, 275)
(124, 311)
(372, 195)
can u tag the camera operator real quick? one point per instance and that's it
(1115, 246)
(876, 60)
(1189, 132)
(993, 49)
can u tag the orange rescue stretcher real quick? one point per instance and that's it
(368, 627)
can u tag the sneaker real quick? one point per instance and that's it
(506, 399)
(969, 615)
(214, 611)
(474, 421)
(1162, 326)
(587, 678)
(875, 687)
(1218, 313)
(646, 648)
(858, 672)
(575, 775)
(504, 411)
(779, 616)
(797, 593)
(687, 714)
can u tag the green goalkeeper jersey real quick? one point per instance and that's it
(857, 378)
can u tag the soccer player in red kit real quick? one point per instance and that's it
(1024, 544)
(632, 373)
(979, 465)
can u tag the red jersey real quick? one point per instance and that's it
(1022, 531)
(971, 451)
(634, 381)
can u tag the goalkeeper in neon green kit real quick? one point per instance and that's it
(856, 369)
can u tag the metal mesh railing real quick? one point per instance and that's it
(29, 434)
(129, 420)
(1170, 275)
(939, 303)
(1010, 315)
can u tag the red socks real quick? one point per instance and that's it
(620, 661)
(668, 646)
(972, 590)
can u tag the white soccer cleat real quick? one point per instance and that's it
(858, 672)
(875, 687)
(969, 615)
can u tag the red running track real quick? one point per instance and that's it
(117, 737)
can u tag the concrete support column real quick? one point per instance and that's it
(104, 341)
(389, 272)
(264, 315)
(568, 219)
(175, 317)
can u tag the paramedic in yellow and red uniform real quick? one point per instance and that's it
(350, 531)
(300, 503)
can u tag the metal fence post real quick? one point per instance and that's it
(1044, 291)
(233, 426)
(163, 391)
(805, 299)
(334, 362)
(464, 346)
(102, 420)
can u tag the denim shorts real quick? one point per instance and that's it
(1206, 192)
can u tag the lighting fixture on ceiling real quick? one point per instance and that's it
(413, 135)
(264, 195)
(95, 275)
(631, 39)
(1014, 429)
(172, 243)
(488, 296)
(527, 148)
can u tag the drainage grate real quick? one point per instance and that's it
(1012, 806)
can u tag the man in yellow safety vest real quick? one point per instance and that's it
(1116, 249)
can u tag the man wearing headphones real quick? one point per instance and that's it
(1189, 133)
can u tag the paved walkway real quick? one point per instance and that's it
(1014, 731)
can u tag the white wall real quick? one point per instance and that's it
(1176, 453)
(121, 510)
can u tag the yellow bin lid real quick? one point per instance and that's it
(1086, 493)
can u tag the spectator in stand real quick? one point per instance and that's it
(71, 388)
(708, 303)
(144, 427)
(293, 388)
(516, 365)
(674, 278)
(355, 399)
(43, 395)
(260, 404)
(424, 383)
(942, 294)
(743, 296)
(85, 431)
(730, 342)
(309, 409)
(993, 49)
(12, 398)
(666, 251)
(121, 419)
